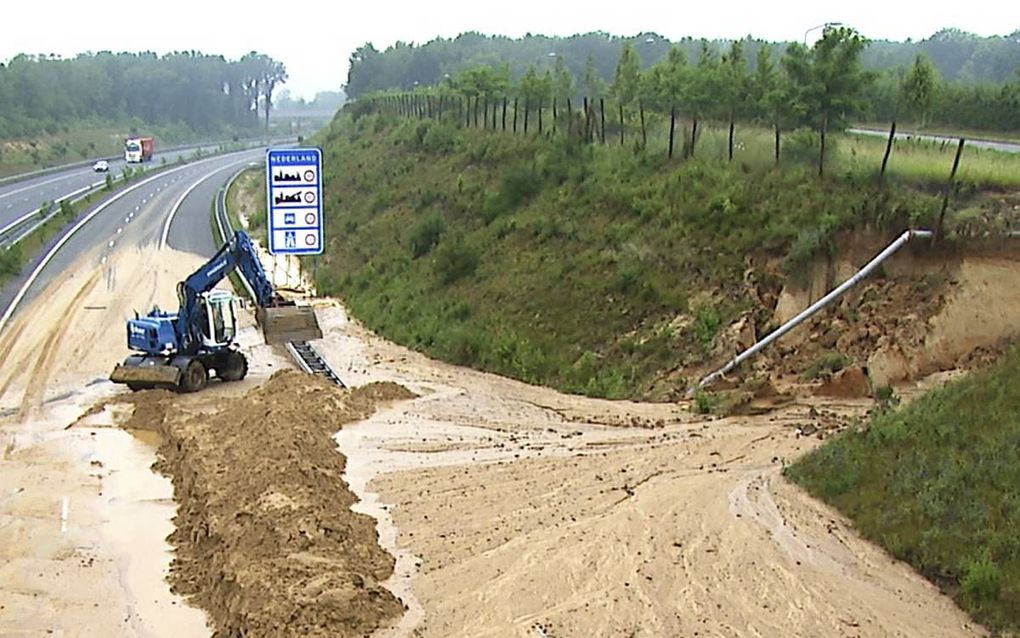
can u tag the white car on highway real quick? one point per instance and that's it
(101, 166)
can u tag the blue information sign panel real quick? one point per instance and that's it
(294, 192)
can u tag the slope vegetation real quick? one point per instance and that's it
(594, 269)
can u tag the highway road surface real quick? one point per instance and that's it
(139, 216)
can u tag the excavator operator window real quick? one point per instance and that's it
(222, 325)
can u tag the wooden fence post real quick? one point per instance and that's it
(644, 133)
(694, 135)
(527, 108)
(621, 123)
(602, 111)
(570, 118)
(540, 116)
(504, 112)
(672, 129)
(777, 143)
(888, 150)
(587, 121)
(949, 189)
(515, 115)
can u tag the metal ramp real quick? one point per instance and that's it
(311, 362)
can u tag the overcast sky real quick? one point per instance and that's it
(315, 39)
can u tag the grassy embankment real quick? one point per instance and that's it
(593, 269)
(937, 483)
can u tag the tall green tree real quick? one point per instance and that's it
(735, 87)
(918, 89)
(628, 76)
(592, 83)
(828, 81)
(563, 80)
(701, 97)
(770, 94)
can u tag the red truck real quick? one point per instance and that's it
(138, 149)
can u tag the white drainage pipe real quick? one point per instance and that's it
(813, 308)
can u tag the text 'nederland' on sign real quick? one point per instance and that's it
(294, 197)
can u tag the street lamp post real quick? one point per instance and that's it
(824, 25)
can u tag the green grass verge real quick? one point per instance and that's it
(937, 483)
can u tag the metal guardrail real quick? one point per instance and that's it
(303, 353)
(15, 231)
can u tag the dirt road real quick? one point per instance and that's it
(511, 510)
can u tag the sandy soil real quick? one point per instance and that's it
(82, 518)
(518, 511)
(510, 510)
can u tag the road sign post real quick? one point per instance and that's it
(294, 195)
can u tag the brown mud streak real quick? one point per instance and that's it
(36, 386)
(265, 539)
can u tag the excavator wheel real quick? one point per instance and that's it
(235, 366)
(195, 377)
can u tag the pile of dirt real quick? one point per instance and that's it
(265, 538)
(891, 310)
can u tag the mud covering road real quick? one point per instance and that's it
(265, 539)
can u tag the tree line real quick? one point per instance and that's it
(975, 81)
(818, 88)
(207, 93)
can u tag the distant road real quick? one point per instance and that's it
(1005, 147)
(19, 198)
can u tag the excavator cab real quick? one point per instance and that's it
(220, 326)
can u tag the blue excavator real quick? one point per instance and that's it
(181, 350)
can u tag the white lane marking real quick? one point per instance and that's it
(120, 230)
(180, 200)
(110, 244)
(127, 219)
(64, 504)
(27, 188)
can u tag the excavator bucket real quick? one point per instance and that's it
(146, 375)
(282, 324)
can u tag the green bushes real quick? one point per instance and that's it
(426, 234)
(455, 258)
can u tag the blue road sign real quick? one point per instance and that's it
(294, 194)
